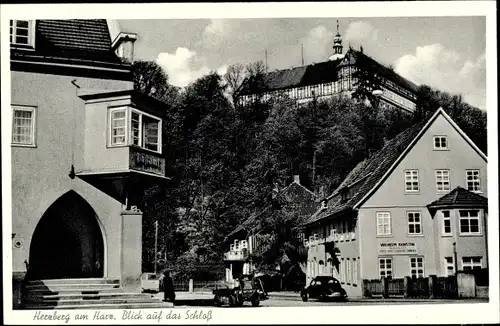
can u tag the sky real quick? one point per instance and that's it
(447, 53)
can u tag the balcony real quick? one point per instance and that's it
(236, 255)
(122, 145)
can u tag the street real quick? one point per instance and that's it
(291, 301)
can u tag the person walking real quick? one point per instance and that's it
(168, 288)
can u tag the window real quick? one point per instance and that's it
(414, 223)
(443, 180)
(383, 223)
(440, 142)
(417, 267)
(473, 181)
(348, 271)
(118, 126)
(22, 33)
(446, 223)
(471, 263)
(385, 267)
(354, 271)
(411, 181)
(469, 222)
(23, 125)
(449, 266)
(131, 127)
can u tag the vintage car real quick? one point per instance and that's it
(245, 289)
(324, 288)
(151, 282)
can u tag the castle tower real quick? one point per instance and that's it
(337, 46)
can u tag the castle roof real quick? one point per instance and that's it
(323, 72)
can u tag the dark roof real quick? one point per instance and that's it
(367, 174)
(252, 222)
(297, 77)
(324, 72)
(459, 197)
(78, 39)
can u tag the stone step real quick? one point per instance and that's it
(68, 287)
(76, 291)
(104, 306)
(73, 302)
(80, 296)
(74, 281)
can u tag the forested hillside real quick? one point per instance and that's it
(225, 160)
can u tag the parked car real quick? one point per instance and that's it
(151, 282)
(324, 288)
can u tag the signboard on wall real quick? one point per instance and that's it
(397, 248)
(147, 162)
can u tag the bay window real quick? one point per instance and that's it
(132, 127)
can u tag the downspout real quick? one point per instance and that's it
(72, 169)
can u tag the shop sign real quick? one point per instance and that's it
(147, 163)
(397, 248)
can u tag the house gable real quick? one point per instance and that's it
(462, 154)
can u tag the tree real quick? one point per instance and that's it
(150, 79)
(234, 78)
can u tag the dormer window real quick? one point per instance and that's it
(344, 193)
(22, 33)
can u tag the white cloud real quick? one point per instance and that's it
(185, 66)
(446, 70)
(317, 44)
(361, 31)
(215, 33)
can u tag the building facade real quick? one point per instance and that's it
(85, 147)
(415, 208)
(333, 77)
(248, 239)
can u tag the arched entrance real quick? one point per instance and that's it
(67, 242)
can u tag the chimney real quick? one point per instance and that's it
(123, 45)
(296, 178)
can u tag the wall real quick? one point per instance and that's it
(391, 197)
(40, 174)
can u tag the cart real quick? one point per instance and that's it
(235, 296)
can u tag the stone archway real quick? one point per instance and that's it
(67, 242)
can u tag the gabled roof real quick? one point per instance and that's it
(459, 197)
(369, 174)
(76, 39)
(251, 223)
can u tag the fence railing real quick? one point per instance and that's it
(396, 287)
(372, 287)
(204, 286)
(425, 287)
(446, 287)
